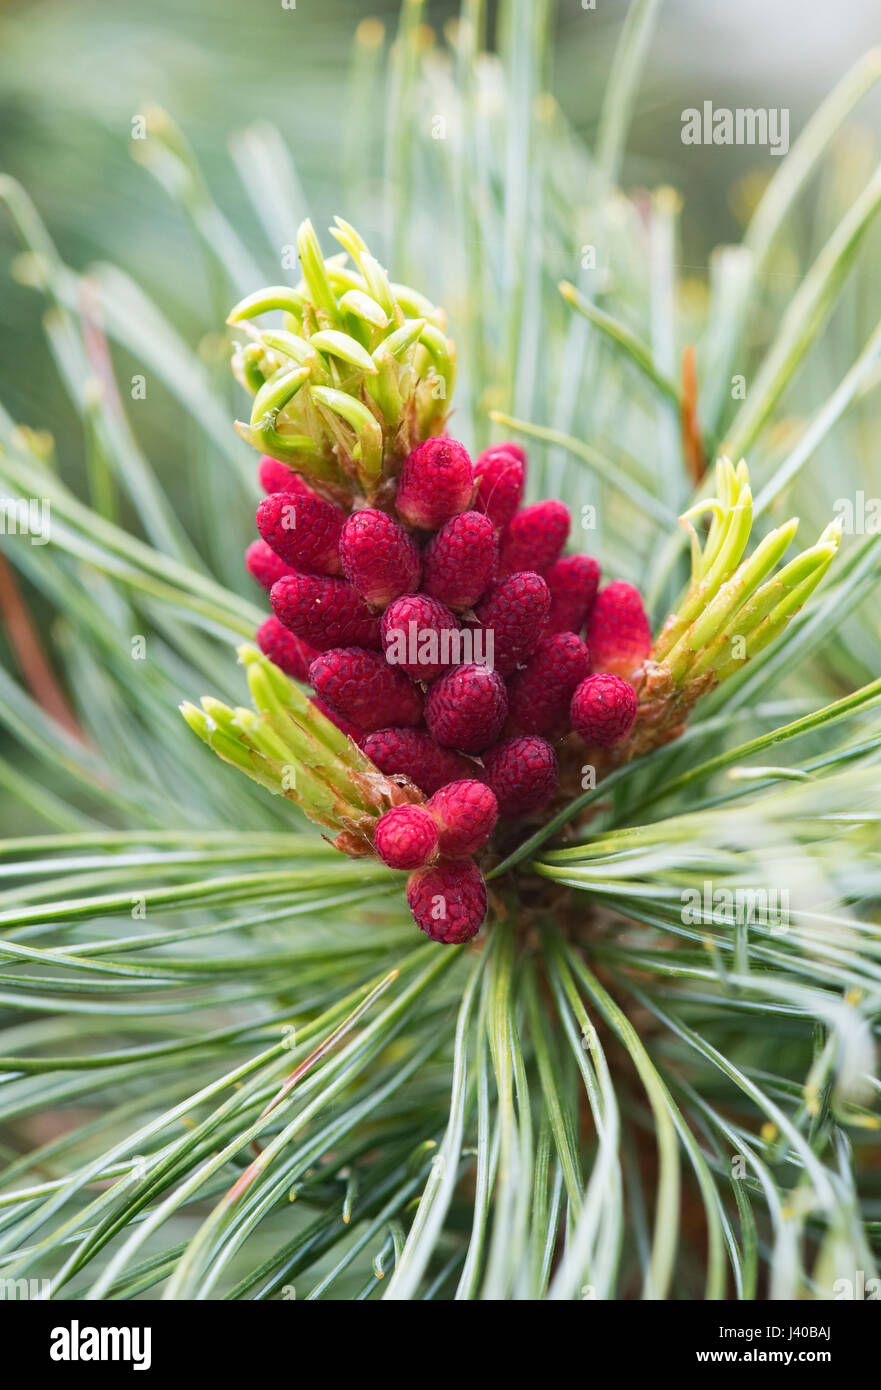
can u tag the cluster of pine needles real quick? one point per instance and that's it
(228, 1068)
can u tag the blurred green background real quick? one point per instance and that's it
(286, 110)
(74, 75)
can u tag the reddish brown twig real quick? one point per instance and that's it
(692, 445)
(30, 656)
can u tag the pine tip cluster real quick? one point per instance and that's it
(447, 634)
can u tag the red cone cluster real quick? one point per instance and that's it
(449, 635)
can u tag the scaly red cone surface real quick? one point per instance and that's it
(414, 754)
(287, 651)
(362, 687)
(500, 472)
(618, 634)
(535, 538)
(465, 814)
(514, 611)
(603, 709)
(436, 483)
(448, 900)
(461, 561)
(264, 565)
(522, 773)
(324, 612)
(573, 581)
(406, 837)
(277, 477)
(539, 696)
(466, 708)
(378, 557)
(418, 636)
(303, 530)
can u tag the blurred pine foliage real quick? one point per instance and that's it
(607, 1099)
